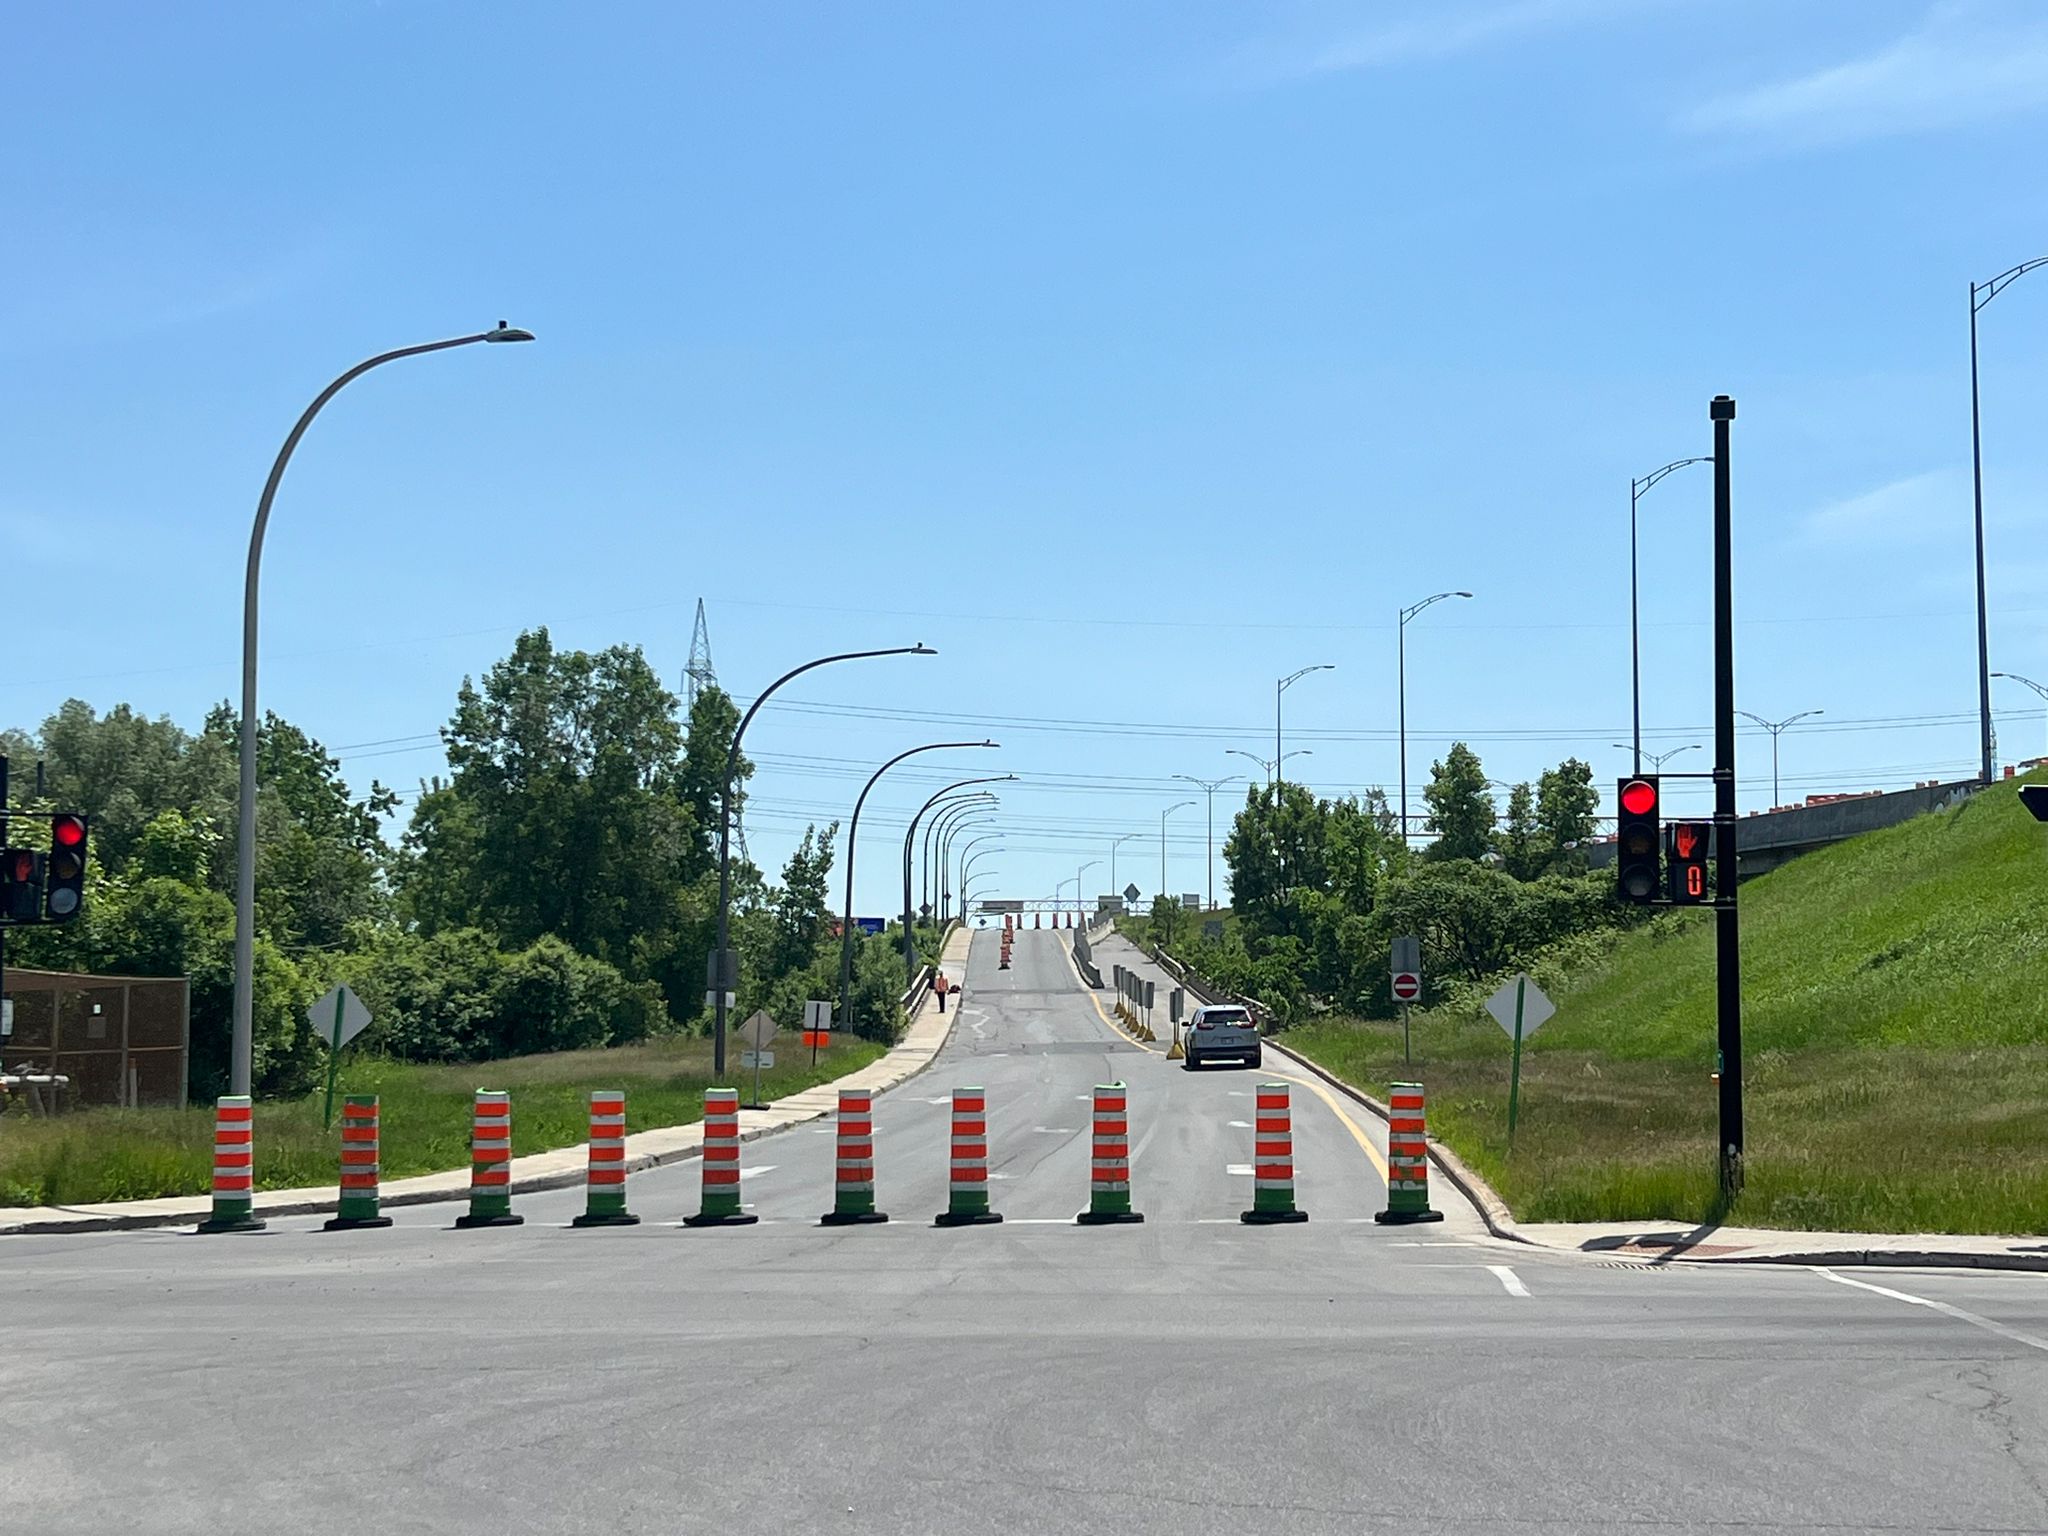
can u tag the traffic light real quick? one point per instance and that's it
(64, 874)
(21, 873)
(1687, 845)
(1635, 864)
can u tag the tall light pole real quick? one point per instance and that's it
(725, 970)
(853, 832)
(909, 837)
(1777, 729)
(1401, 647)
(1080, 902)
(934, 839)
(1183, 805)
(957, 811)
(981, 817)
(1980, 295)
(1114, 844)
(1265, 763)
(2026, 681)
(1635, 643)
(967, 866)
(1657, 759)
(1280, 687)
(241, 1047)
(979, 874)
(966, 849)
(1209, 788)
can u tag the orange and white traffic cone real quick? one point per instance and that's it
(604, 1203)
(721, 1204)
(358, 1204)
(234, 1167)
(1109, 1185)
(490, 1163)
(853, 1195)
(1407, 1158)
(1272, 1160)
(967, 1189)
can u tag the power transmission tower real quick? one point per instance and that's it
(698, 674)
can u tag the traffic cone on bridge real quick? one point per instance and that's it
(1109, 1186)
(1272, 1160)
(604, 1201)
(853, 1194)
(967, 1190)
(1407, 1158)
(490, 1163)
(234, 1167)
(721, 1199)
(358, 1204)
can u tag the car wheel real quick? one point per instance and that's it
(1257, 1059)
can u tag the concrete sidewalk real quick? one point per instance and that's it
(558, 1169)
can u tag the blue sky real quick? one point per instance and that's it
(1131, 355)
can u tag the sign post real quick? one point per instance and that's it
(817, 1028)
(1406, 982)
(755, 1035)
(1520, 1008)
(337, 1018)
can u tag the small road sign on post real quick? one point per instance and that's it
(1406, 982)
(755, 1035)
(817, 1027)
(1131, 892)
(337, 1018)
(1520, 1008)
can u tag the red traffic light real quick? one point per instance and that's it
(1639, 797)
(67, 831)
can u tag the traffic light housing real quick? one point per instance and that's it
(1687, 850)
(21, 884)
(1636, 871)
(64, 871)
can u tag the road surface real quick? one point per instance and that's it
(1186, 1375)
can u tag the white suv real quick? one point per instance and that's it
(1224, 1030)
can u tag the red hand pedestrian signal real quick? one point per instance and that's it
(1684, 838)
(1688, 861)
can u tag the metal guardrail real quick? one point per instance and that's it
(1206, 990)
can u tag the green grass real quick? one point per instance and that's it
(1895, 1029)
(119, 1154)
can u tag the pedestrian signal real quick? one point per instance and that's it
(23, 884)
(1686, 843)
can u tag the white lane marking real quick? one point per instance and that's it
(1509, 1279)
(1975, 1321)
(1419, 1245)
(755, 1173)
(1053, 1130)
(946, 1100)
(1242, 1170)
(1039, 1221)
(1237, 1093)
(1240, 1125)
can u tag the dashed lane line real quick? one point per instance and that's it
(1510, 1281)
(2032, 1341)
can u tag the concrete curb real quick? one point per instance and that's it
(1478, 1193)
(459, 1189)
(1882, 1258)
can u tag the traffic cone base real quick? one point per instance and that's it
(1107, 1218)
(1270, 1218)
(851, 1218)
(606, 1219)
(231, 1223)
(490, 1219)
(353, 1223)
(1406, 1218)
(967, 1218)
(710, 1219)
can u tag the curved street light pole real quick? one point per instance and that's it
(241, 1049)
(1777, 729)
(1980, 295)
(1183, 805)
(1079, 904)
(723, 970)
(967, 848)
(968, 864)
(2038, 688)
(947, 884)
(1280, 687)
(936, 838)
(853, 832)
(1635, 646)
(1657, 759)
(1209, 787)
(1114, 844)
(1401, 645)
(909, 836)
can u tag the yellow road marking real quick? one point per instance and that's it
(1364, 1141)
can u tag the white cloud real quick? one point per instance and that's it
(1967, 63)
(1921, 508)
(1438, 30)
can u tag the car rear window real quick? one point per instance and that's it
(1225, 1016)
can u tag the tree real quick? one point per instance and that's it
(1566, 803)
(1460, 810)
(1523, 850)
(1278, 844)
(1164, 923)
(700, 782)
(1361, 840)
(802, 904)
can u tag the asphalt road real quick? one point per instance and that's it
(1185, 1375)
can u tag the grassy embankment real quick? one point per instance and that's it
(1895, 1025)
(116, 1154)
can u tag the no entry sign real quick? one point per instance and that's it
(1407, 986)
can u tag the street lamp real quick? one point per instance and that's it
(1777, 729)
(1080, 905)
(936, 831)
(909, 835)
(1116, 843)
(981, 816)
(852, 832)
(1635, 647)
(1401, 647)
(241, 1047)
(1265, 763)
(967, 848)
(2026, 681)
(979, 874)
(1183, 805)
(953, 812)
(724, 968)
(1285, 683)
(1209, 787)
(1980, 295)
(1657, 759)
(967, 872)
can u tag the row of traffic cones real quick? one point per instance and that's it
(1109, 1188)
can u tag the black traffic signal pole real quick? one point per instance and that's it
(1727, 957)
